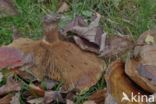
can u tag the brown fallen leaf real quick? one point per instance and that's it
(116, 45)
(10, 57)
(61, 60)
(119, 85)
(13, 58)
(49, 83)
(64, 7)
(92, 38)
(11, 86)
(6, 99)
(89, 102)
(15, 99)
(110, 100)
(91, 32)
(51, 96)
(36, 90)
(69, 102)
(36, 101)
(7, 8)
(99, 96)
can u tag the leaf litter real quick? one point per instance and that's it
(55, 58)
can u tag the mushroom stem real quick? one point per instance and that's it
(50, 26)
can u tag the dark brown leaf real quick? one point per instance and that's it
(11, 86)
(91, 32)
(51, 96)
(92, 38)
(15, 99)
(37, 90)
(116, 45)
(48, 83)
(6, 99)
(10, 57)
(99, 96)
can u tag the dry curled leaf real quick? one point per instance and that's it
(116, 45)
(89, 102)
(6, 99)
(51, 96)
(91, 33)
(10, 57)
(69, 102)
(7, 8)
(63, 7)
(11, 86)
(99, 96)
(15, 99)
(37, 90)
(49, 83)
(36, 101)
(61, 60)
(119, 84)
(110, 100)
(92, 38)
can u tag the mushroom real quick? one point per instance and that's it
(119, 85)
(61, 60)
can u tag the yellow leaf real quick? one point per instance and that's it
(149, 39)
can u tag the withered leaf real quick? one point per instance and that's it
(51, 96)
(36, 101)
(85, 45)
(63, 7)
(118, 82)
(91, 32)
(69, 102)
(7, 8)
(109, 99)
(37, 90)
(49, 83)
(11, 86)
(99, 96)
(10, 57)
(92, 38)
(6, 99)
(89, 102)
(116, 45)
(15, 99)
